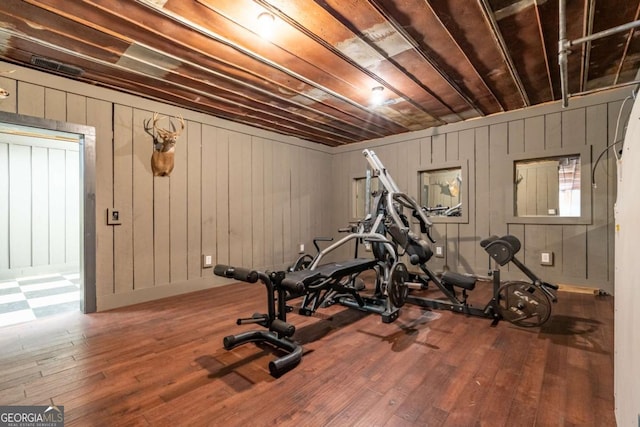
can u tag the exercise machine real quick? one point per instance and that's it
(523, 303)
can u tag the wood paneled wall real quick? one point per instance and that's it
(583, 252)
(242, 195)
(250, 197)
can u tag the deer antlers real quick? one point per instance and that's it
(165, 136)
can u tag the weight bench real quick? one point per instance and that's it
(320, 287)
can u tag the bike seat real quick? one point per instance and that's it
(459, 280)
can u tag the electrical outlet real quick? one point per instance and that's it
(439, 252)
(546, 258)
(207, 261)
(301, 250)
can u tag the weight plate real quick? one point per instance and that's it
(523, 304)
(397, 290)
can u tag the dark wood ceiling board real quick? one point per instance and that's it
(522, 36)
(348, 123)
(630, 55)
(224, 80)
(396, 52)
(549, 24)
(420, 22)
(545, 45)
(131, 26)
(281, 60)
(173, 93)
(310, 49)
(59, 30)
(188, 76)
(466, 23)
(607, 53)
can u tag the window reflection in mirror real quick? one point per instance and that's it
(440, 191)
(548, 187)
(363, 198)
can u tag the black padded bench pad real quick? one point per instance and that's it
(297, 281)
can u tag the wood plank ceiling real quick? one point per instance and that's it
(439, 61)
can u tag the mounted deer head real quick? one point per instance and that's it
(164, 144)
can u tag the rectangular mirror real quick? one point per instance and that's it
(362, 195)
(548, 186)
(441, 191)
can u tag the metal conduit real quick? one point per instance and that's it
(564, 45)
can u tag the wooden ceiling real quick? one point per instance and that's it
(439, 61)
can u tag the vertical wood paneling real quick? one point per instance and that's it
(210, 166)
(599, 238)
(296, 191)
(280, 190)
(413, 163)
(222, 196)
(178, 211)
(287, 242)
(55, 104)
(534, 134)
(573, 128)
(246, 193)
(100, 116)
(425, 151)
(30, 99)
(9, 104)
(57, 212)
(553, 131)
(195, 177)
(468, 237)
(499, 178)
(76, 108)
(612, 172)
(482, 193)
(20, 205)
(4, 205)
(452, 149)
(143, 203)
(161, 230)
(122, 235)
(268, 201)
(40, 211)
(237, 173)
(574, 243)
(257, 202)
(307, 172)
(515, 137)
(72, 208)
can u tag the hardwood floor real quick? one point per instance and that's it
(162, 363)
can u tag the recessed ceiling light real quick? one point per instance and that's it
(265, 24)
(377, 95)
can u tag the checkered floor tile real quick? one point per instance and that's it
(34, 297)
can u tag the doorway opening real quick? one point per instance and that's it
(47, 218)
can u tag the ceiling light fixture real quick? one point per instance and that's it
(265, 24)
(377, 95)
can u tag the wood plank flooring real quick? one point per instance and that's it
(162, 364)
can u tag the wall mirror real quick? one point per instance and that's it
(441, 192)
(548, 186)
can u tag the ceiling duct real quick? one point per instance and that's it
(50, 64)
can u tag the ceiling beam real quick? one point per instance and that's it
(497, 34)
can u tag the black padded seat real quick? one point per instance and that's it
(297, 281)
(455, 279)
